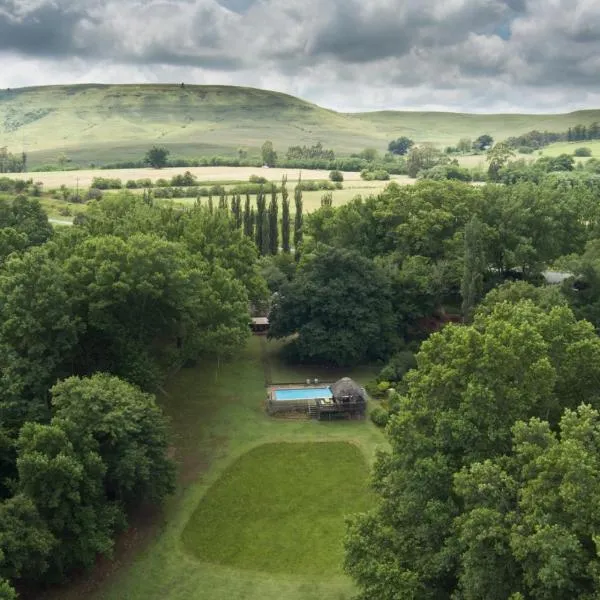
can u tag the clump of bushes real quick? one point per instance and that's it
(582, 152)
(377, 175)
(106, 183)
(257, 179)
(336, 176)
(380, 416)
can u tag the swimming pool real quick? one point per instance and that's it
(302, 393)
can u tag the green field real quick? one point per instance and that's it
(221, 437)
(107, 123)
(280, 508)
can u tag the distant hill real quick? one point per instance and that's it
(108, 123)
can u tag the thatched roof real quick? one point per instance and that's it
(346, 387)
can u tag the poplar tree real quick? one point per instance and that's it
(260, 211)
(248, 218)
(285, 216)
(471, 287)
(266, 234)
(298, 218)
(274, 224)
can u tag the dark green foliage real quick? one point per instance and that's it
(261, 213)
(298, 221)
(339, 303)
(285, 216)
(483, 142)
(472, 384)
(273, 225)
(305, 153)
(475, 266)
(336, 176)
(582, 152)
(6, 591)
(129, 430)
(400, 146)
(24, 540)
(257, 179)
(377, 175)
(64, 480)
(157, 157)
(380, 416)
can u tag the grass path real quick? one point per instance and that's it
(217, 417)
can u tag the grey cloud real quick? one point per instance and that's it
(383, 53)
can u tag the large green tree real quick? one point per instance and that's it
(129, 430)
(339, 304)
(472, 384)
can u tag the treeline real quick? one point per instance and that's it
(92, 318)
(309, 153)
(12, 163)
(538, 139)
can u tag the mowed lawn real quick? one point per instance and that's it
(280, 508)
(220, 432)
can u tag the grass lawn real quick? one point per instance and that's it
(219, 424)
(280, 509)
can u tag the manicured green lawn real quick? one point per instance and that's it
(280, 508)
(219, 425)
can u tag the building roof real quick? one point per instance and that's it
(260, 321)
(556, 277)
(346, 387)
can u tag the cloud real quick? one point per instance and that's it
(483, 55)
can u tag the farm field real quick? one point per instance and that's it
(221, 437)
(570, 147)
(101, 124)
(84, 178)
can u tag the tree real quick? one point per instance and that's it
(369, 154)
(298, 220)
(483, 142)
(157, 157)
(531, 530)
(336, 176)
(475, 266)
(265, 226)
(339, 304)
(273, 224)
(285, 216)
(64, 480)
(422, 157)
(130, 434)
(24, 540)
(6, 591)
(269, 156)
(472, 384)
(498, 156)
(400, 146)
(248, 219)
(464, 145)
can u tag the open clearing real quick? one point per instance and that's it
(280, 508)
(218, 421)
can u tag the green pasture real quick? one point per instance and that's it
(96, 124)
(570, 147)
(232, 459)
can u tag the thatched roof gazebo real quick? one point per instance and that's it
(347, 391)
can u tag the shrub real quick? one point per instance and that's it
(257, 179)
(525, 150)
(105, 183)
(380, 416)
(185, 180)
(377, 175)
(336, 176)
(582, 152)
(131, 184)
(93, 194)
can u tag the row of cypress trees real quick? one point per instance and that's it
(263, 224)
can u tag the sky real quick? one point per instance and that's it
(459, 55)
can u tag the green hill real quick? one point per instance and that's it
(107, 123)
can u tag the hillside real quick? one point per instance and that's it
(107, 123)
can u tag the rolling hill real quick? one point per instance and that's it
(107, 123)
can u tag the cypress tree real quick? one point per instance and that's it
(266, 234)
(285, 216)
(251, 221)
(223, 201)
(248, 218)
(260, 210)
(210, 204)
(274, 224)
(298, 219)
(471, 287)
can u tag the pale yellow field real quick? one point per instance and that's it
(54, 179)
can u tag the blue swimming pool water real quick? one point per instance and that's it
(302, 393)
